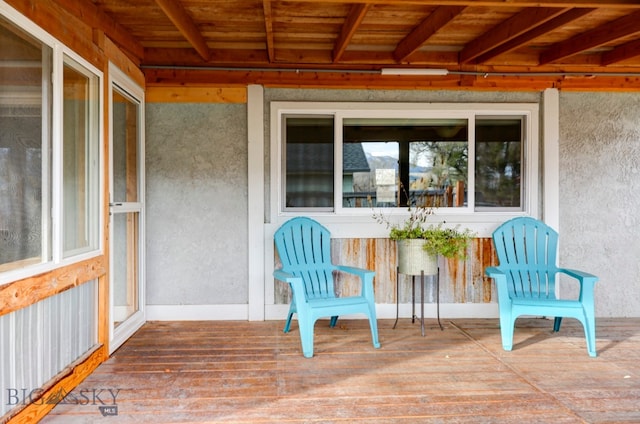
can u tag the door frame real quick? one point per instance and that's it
(118, 335)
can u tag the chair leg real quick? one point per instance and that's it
(556, 324)
(306, 336)
(292, 310)
(287, 325)
(506, 331)
(374, 332)
(590, 334)
(334, 320)
(373, 323)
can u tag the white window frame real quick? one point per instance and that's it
(353, 222)
(52, 233)
(94, 150)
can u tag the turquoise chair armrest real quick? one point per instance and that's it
(500, 279)
(493, 271)
(579, 275)
(587, 284)
(286, 277)
(363, 273)
(296, 284)
(366, 277)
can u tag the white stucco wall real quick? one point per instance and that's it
(196, 198)
(599, 196)
(197, 193)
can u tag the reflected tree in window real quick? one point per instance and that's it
(498, 162)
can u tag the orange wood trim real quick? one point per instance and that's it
(68, 379)
(52, 17)
(195, 94)
(125, 63)
(28, 291)
(311, 79)
(104, 303)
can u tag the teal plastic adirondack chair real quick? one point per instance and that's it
(305, 252)
(526, 280)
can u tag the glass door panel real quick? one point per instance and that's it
(125, 259)
(126, 210)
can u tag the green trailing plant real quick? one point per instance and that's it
(451, 243)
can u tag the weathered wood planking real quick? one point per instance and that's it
(461, 281)
(251, 372)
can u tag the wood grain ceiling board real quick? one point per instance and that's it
(373, 33)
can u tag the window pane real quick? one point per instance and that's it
(125, 148)
(25, 93)
(370, 174)
(498, 162)
(80, 160)
(126, 261)
(408, 161)
(309, 162)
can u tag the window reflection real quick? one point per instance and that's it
(408, 162)
(498, 162)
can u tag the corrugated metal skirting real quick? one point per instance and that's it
(39, 341)
(461, 281)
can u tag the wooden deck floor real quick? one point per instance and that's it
(250, 372)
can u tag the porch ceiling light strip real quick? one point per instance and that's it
(413, 71)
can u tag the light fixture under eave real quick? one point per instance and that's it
(413, 71)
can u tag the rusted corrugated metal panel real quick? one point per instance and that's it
(371, 254)
(461, 281)
(487, 257)
(281, 291)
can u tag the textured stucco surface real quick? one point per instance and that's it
(197, 191)
(599, 196)
(196, 198)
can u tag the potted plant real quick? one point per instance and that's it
(419, 244)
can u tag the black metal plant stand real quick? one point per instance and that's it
(435, 278)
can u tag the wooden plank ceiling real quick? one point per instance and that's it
(569, 38)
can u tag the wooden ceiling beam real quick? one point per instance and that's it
(608, 4)
(181, 19)
(268, 28)
(420, 34)
(338, 79)
(157, 56)
(536, 32)
(508, 30)
(620, 53)
(96, 18)
(619, 28)
(350, 26)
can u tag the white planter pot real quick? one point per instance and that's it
(413, 259)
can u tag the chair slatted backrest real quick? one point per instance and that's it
(527, 253)
(304, 247)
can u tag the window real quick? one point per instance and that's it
(309, 162)
(342, 157)
(25, 111)
(80, 178)
(400, 162)
(499, 162)
(50, 185)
